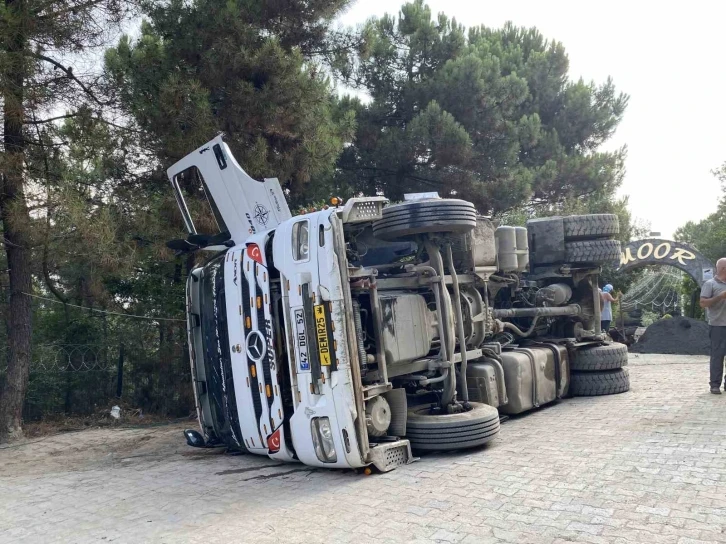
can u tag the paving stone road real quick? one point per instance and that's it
(646, 466)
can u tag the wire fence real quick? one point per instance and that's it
(85, 379)
(68, 358)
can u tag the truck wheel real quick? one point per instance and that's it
(443, 432)
(408, 219)
(590, 227)
(592, 251)
(606, 382)
(607, 357)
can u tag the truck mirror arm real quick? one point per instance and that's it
(199, 241)
(204, 240)
(180, 246)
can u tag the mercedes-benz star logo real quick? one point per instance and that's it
(262, 214)
(256, 346)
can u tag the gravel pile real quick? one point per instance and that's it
(675, 336)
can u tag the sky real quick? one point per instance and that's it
(668, 56)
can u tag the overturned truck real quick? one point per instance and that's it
(356, 334)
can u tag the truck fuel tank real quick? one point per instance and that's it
(534, 376)
(481, 381)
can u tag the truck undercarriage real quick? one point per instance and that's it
(355, 334)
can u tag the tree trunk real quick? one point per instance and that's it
(15, 218)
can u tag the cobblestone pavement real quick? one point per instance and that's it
(646, 466)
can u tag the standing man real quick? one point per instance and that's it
(606, 308)
(713, 299)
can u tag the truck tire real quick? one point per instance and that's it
(591, 227)
(592, 251)
(607, 357)
(437, 432)
(605, 382)
(408, 219)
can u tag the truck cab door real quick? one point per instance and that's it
(239, 204)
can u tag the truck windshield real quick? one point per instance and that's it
(215, 347)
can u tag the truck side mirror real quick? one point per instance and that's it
(194, 439)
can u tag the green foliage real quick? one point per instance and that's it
(239, 67)
(101, 208)
(101, 245)
(46, 205)
(688, 287)
(649, 318)
(488, 115)
(708, 236)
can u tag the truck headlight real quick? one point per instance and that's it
(323, 439)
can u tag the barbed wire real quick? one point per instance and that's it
(68, 358)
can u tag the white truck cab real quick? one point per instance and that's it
(272, 363)
(343, 337)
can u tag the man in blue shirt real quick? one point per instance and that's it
(606, 309)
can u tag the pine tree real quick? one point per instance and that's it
(487, 115)
(38, 42)
(245, 68)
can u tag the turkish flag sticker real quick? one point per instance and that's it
(273, 441)
(253, 250)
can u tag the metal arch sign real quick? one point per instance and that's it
(666, 252)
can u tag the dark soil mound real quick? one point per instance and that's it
(675, 336)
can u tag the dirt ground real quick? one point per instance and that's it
(103, 447)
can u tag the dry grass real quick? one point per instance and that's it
(130, 417)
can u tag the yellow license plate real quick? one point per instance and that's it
(321, 331)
